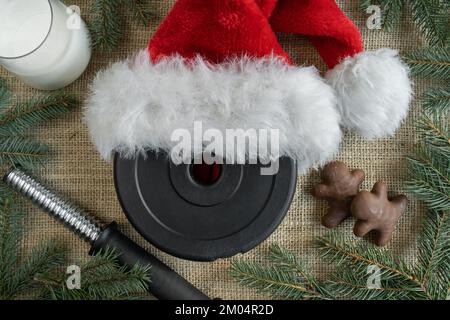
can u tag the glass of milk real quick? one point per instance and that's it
(43, 42)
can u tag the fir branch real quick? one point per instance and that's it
(17, 119)
(430, 62)
(435, 132)
(437, 99)
(392, 11)
(106, 28)
(5, 95)
(432, 18)
(16, 276)
(5, 191)
(22, 152)
(347, 285)
(358, 256)
(289, 262)
(425, 188)
(430, 171)
(11, 230)
(43, 258)
(120, 284)
(430, 168)
(365, 4)
(271, 280)
(287, 278)
(27, 114)
(141, 10)
(101, 279)
(434, 261)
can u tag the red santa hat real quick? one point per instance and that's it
(372, 87)
(219, 62)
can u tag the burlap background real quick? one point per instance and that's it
(76, 171)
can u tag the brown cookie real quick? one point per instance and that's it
(339, 185)
(374, 212)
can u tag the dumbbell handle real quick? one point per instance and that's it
(165, 283)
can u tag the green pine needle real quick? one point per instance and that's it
(391, 11)
(288, 277)
(271, 280)
(5, 191)
(430, 168)
(435, 132)
(365, 4)
(10, 236)
(101, 279)
(16, 276)
(391, 14)
(432, 18)
(434, 260)
(142, 11)
(286, 260)
(429, 184)
(346, 285)
(430, 62)
(437, 99)
(357, 256)
(107, 279)
(106, 27)
(5, 95)
(18, 118)
(43, 258)
(22, 152)
(28, 114)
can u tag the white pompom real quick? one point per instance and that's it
(374, 92)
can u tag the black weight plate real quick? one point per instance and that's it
(197, 222)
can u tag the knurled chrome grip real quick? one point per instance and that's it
(73, 218)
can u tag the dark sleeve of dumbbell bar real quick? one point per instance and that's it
(165, 283)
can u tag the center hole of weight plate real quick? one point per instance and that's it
(206, 174)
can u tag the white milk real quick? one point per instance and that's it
(43, 43)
